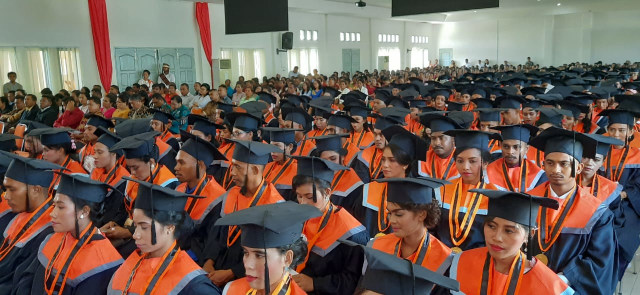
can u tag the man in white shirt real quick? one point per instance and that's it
(294, 73)
(12, 85)
(166, 77)
(187, 98)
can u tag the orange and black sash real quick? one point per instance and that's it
(56, 284)
(281, 289)
(11, 240)
(459, 232)
(279, 173)
(197, 192)
(524, 171)
(375, 168)
(516, 271)
(167, 260)
(421, 254)
(234, 231)
(615, 173)
(324, 220)
(549, 231)
(445, 174)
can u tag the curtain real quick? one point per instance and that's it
(202, 17)
(36, 76)
(394, 57)
(305, 58)
(419, 57)
(101, 42)
(69, 69)
(249, 63)
(7, 63)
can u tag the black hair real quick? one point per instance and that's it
(299, 180)
(222, 86)
(144, 86)
(146, 71)
(19, 97)
(403, 158)
(33, 97)
(97, 209)
(180, 219)
(48, 97)
(66, 100)
(134, 85)
(46, 91)
(85, 90)
(11, 73)
(129, 88)
(135, 97)
(5, 100)
(64, 92)
(66, 146)
(157, 96)
(112, 98)
(432, 209)
(205, 85)
(299, 248)
(184, 84)
(177, 98)
(94, 99)
(316, 153)
(116, 87)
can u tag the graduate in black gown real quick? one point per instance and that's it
(27, 184)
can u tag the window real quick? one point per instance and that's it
(38, 68)
(394, 57)
(341, 36)
(350, 36)
(301, 35)
(315, 35)
(419, 39)
(305, 58)
(357, 37)
(249, 63)
(308, 35)
(419, 57)
(388, 38)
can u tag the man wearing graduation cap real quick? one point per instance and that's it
(27, 183)
(321, 112)
(621, 165)
(513, 104)
(413, 119)
(577, 241)
(601, 187)
(298, 118)
(282, 169)
(440, 162)
(513, 171)
(488, 119)
(340, 123)
(440, 97)
(251, 189)
(166, 154)
(85, 155)
(160, 122)
(361, 136)
(191, 170)
(6, 214)
(245, 127)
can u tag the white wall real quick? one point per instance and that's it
(548, 40)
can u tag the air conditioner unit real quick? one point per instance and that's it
(221, 71)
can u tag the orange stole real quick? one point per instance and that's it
(349, 180)
(235, 201)
(241, 287)
(181, 271)
(73, 167)
(304, 148)
(212, 192)
(440, 166)
(467, 269)
(94, 257)
(273, 173)
(100, 174)
(87, 150)
(496, 177)
(537, 157)
(163, 178)
(352, 152)
(439, 257)
(361, 139)
(580, 214)
(341, 225)
(372, 157)
(316, 132)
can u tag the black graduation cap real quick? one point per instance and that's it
(384, 122)
(318, 168)
(284, 135)
(225, 107)
(483, 103)
(466, 139)
(383, 94)
(438, 122)
(532, 91)
(203, 125)
(200, 149)
(410, 92)
(299, 116)
(253, 152)
(409, 190)
(271, 225)
(295, 100)
(330, 142)
(8, 142)
(510, 102)
(531, 103)
(107, 138)
(341, 120)
(356, 110)
(521, 132)
(479, 91)
(463, 118)
(619, 116)
(398, 102)
(552, 116)
(244, 121)
(496, 91)
(631, 85)
(30, 171)
(78, 186)
(332, 91)
(488, 115)
(562, 90)
(254, 107)
(322, 106)
(413, 145)
(549, 97)
(572, 143)
(132, 127)
(396, 113)
(161, 116)
(581, 98)
(138, 146)
(604, 142)
(455, 106)
(52, 136)
(441, 91)
(520, 208)
(4, 163)
(33, 125)
(266, 97)
(97, 121)
(574, 108)
(417, 103)
(389, 274)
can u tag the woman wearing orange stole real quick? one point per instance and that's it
(329, 267)
(159, 266)
(282, 169)
(272, 243)
(58, 149)
(412, 211)
(501, 267)
(462, 212)
(77, 258)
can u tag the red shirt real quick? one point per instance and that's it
(69, 119)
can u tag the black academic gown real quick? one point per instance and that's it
(86, 286)
(627, 216)
(18, 262)
(338, 271)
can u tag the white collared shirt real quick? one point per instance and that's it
(553, 194)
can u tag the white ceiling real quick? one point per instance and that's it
(508, 8)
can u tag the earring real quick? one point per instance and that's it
(81, 216)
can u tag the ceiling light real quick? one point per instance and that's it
(361, 4)
(559, 4)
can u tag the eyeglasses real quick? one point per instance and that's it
(238, 133)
